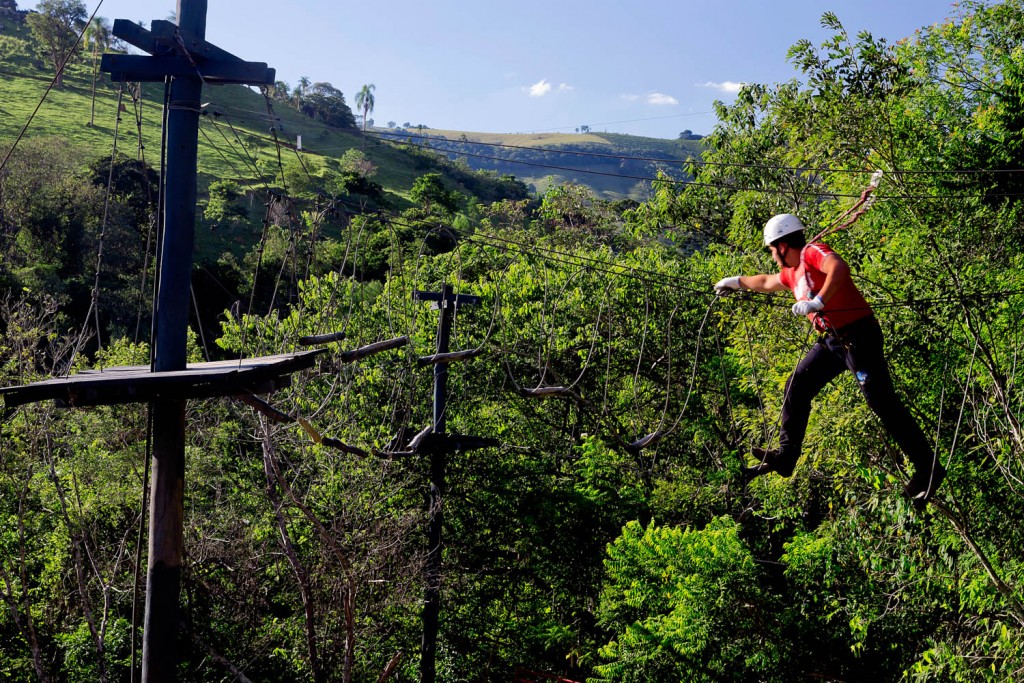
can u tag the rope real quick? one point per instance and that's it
(161, 201)
(94, 294)
(139, 539)
(854, 213)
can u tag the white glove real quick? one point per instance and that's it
(727, 285)
(807, 307)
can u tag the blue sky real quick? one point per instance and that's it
(644, 67)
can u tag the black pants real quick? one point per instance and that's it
(857, 348)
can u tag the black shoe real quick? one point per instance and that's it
(922, 486)
(773, 460)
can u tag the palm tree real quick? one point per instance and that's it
(98, 35)
(364, 100)
(300, 91)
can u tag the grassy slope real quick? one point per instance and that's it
(222, 152)
(236, 139)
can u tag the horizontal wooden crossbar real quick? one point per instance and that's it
(138, 384)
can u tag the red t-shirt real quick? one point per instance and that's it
(847, 305)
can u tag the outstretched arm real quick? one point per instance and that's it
(759, 283)
(764, 282)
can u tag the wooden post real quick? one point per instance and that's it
(447, 302)
(166, 517)
(177, 51)
(438, 467)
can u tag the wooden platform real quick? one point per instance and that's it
(138, 384)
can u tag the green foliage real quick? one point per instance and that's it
(224, 204)
(305, 560)
(48, 212)
(326, 103)
(686, 604)
(355, 161)
(11, 47)
(429, 190)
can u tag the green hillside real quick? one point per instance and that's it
(236, 137)
(235, 131)
(614, 166)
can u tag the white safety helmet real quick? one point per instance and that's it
(780, 226)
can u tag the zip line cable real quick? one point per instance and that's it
(693, 285)
(219, 151)
(94, 293)
(401, 137)
(724, 186)
(160, 224)
(611, 269)
(135, 91)
(404, 138)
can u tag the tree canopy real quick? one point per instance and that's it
(55, 25)
(606, 533)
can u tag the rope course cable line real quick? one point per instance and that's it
(733, 187)
(693, 285)
(698, 286)
(94, 294)
(216, 148)
(399, 137)
(616, 272)
(135, 91)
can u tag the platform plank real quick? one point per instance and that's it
(138, 384)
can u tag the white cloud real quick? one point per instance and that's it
(631, 98)
(661, 98)
(543, 87)
(540, 88)
(730, 87)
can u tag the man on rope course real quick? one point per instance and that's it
(851, 339)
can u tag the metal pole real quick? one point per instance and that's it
(438, 465)
(166, 518)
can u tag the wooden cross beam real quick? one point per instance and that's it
(177, 52)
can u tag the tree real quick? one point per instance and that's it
(97, 37)
(365, 101)
(55, 26)
(355, 161)
(684, 605)
(326, 103)
(429, 191)
(300, 92)
(279, 91)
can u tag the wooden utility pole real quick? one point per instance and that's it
(440, 445)
(167, 515)
(181, 56)
(184, 56)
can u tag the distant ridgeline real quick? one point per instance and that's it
(615, 166)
